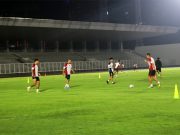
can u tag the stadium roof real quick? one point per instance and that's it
(28, 28)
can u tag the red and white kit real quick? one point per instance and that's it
(35, 72)
(151, 63)
(67, 69)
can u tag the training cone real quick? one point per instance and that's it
(176, 92)
(99, 76)
(28, 80)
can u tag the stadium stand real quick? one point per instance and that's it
(7, 58)
(22, 57)
(20, 62)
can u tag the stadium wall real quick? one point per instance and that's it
(169, 53)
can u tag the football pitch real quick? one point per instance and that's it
(91, 107)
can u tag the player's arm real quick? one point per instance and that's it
(63, 71)
(32, 70)
(153, 63)
(73, 71)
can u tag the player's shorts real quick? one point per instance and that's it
(152, 72)
(36, 78)
(158, 69)
(116, 69)
(68, 77)
(111, 73)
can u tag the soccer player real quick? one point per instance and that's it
(117, 66)
(35, 76)
(152, 70)
(122, 67)
(111, 71)
(135, 66)
(158, 66)
(67, 70)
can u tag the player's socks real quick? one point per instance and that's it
(37, 90)
(28, 88)
(107, 81)
(159, 84)
(113, 82)
(150, 86)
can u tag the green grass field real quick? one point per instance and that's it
(91, 107)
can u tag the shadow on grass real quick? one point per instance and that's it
(74, 86)
(142, 80)
(43, 90)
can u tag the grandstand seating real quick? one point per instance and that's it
(7, 58)
(63, 56)
(21, 62)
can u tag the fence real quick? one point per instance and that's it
(57, 66)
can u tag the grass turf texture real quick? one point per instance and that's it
(91, 107)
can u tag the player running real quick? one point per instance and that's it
(117, 66)
(67, 70)
(158, 66)
(152, 70)
(111, 71)
(35, 76)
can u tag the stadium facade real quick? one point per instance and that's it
(89, 44)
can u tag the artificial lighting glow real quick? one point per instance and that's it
(107, 12)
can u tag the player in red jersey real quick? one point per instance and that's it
(35, 76)
(67, 71)
(152, 70)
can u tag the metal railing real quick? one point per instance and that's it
(15, 68)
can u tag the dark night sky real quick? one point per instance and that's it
(155, 12)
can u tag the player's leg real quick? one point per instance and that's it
(112, 78)
(33, 84)
(37, 84)
(157, 81)
(67, 80)
(109, 77)
(150, 79)
(160, 72)
(115, 72)
(108, 80)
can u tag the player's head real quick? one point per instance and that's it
(158, 58)
(111, 59)
(69, 61)
(36, 61)
(148, 55)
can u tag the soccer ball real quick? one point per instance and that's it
(66, 86)
(131, 86)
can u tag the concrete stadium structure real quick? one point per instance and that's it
(41, 31)
(57, 31)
